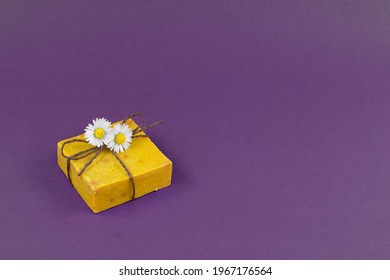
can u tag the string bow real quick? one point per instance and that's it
(95, 151)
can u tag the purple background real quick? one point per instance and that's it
(277, 122)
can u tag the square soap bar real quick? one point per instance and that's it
(105, 183)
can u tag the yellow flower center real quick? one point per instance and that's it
(120, 138)
(99, 133)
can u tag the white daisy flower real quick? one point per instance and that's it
(119, 138)
(97, 133)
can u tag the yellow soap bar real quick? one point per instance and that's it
(105, 183)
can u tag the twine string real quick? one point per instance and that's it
(76, 156)
(128, 173)
(95, 151)
(90, 161)
(135, 115)
(142, 129)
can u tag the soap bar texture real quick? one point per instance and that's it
(105, 183)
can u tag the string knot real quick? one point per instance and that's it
(96, 150)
